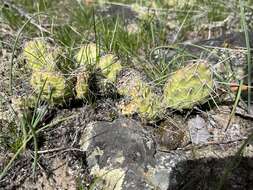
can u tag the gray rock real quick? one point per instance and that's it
(198, 130)
(122, 155)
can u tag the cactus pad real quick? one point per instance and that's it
(110, 67)
(188, 86)
(39, 56)
(140, 96)
(82, 86)
(56, 88)
(87, 54)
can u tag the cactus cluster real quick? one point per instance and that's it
(107, 69)
(185, 88)
(142, 98)
(45, 78)
(56, 87)
(188, 86)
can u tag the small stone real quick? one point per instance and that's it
(198, 130)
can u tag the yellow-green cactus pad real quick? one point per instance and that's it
(188, 86)
(142, 98)
(57, 88)
(39, 55)
(82, 86)
(110, 67)
(87, 54)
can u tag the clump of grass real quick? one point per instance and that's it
(26, 129)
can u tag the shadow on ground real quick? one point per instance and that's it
(207, 173)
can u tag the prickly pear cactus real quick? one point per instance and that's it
(188, 86)
(87, 55)
(56, 89)
(140, 97)
(39, 56)
(110, 67)
(82, 86)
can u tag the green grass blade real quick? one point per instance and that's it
(249, 65)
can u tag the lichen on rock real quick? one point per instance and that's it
(109, 178)
(122, 162)
(123, 154)
(189, 86)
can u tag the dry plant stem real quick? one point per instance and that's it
(63, 149)
(235, 104)
(245, 115)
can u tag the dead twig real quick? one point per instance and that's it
(63, 149)
(191, 146)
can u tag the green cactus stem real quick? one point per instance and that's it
(188, 86)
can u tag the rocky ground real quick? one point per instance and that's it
(92, 144)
